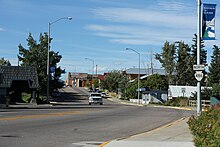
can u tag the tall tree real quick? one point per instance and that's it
(167, 59)
(36, 55)
(203, 52)
(184, 66)
(114, 80)
(214, 68)
(155, 82)
(4, 62)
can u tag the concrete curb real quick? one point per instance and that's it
(172, 107)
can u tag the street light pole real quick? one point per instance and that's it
(92, 64)
(48, 53)
(139, 66)
(92, 70)
(199, 106)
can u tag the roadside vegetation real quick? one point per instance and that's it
(179, 102)
(206, 128)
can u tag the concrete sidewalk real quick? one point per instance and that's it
(171, 135)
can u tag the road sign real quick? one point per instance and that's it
(141, 89)
(199, 67)
(183, 90)
(52, 69)
(198, 75)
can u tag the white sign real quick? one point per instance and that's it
(199, 67)
(198, 75)
(141, 89)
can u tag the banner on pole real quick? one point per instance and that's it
(208, 22)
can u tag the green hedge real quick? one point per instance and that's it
(206, 128)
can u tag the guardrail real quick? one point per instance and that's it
(205, 103)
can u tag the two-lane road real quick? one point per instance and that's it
(72, 122)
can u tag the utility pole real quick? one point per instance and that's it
(151, 63)
(96, 70)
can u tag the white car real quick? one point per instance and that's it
(95, 98)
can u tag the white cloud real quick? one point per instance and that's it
(140, 35)
(145, 26)
(177, 6)
(133, 41)
(146, 17)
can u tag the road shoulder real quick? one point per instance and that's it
(173, 134)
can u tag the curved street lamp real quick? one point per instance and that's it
(48, 52)
(92, 69)
(138, 72)
(92, 64)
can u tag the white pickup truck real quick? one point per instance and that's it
(95, 98)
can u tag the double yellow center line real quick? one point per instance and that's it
(41, 115)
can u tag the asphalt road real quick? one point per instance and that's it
(71, 122)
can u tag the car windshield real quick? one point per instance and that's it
(96, 94)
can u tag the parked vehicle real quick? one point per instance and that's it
(95, 98)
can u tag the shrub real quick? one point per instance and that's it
(206, 128)
(26, 97)
(180, 101)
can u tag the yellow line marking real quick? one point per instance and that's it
(41, 115)
(171, 107)
(104, 143)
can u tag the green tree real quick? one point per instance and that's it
(167, 59)
(96, 83)
(184, 67)
(114, 80)
(203, 52)
(4, 62)
(214, 68)
(155, 82)
(36, 55)
(178, 61)
(131, 92)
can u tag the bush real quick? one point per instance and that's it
(26, 97)
(180, 101)
(206, 128)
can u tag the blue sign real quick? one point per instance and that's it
(208, 25)
(52, 69)
(52, 72)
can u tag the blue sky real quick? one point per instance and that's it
(101, 29)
